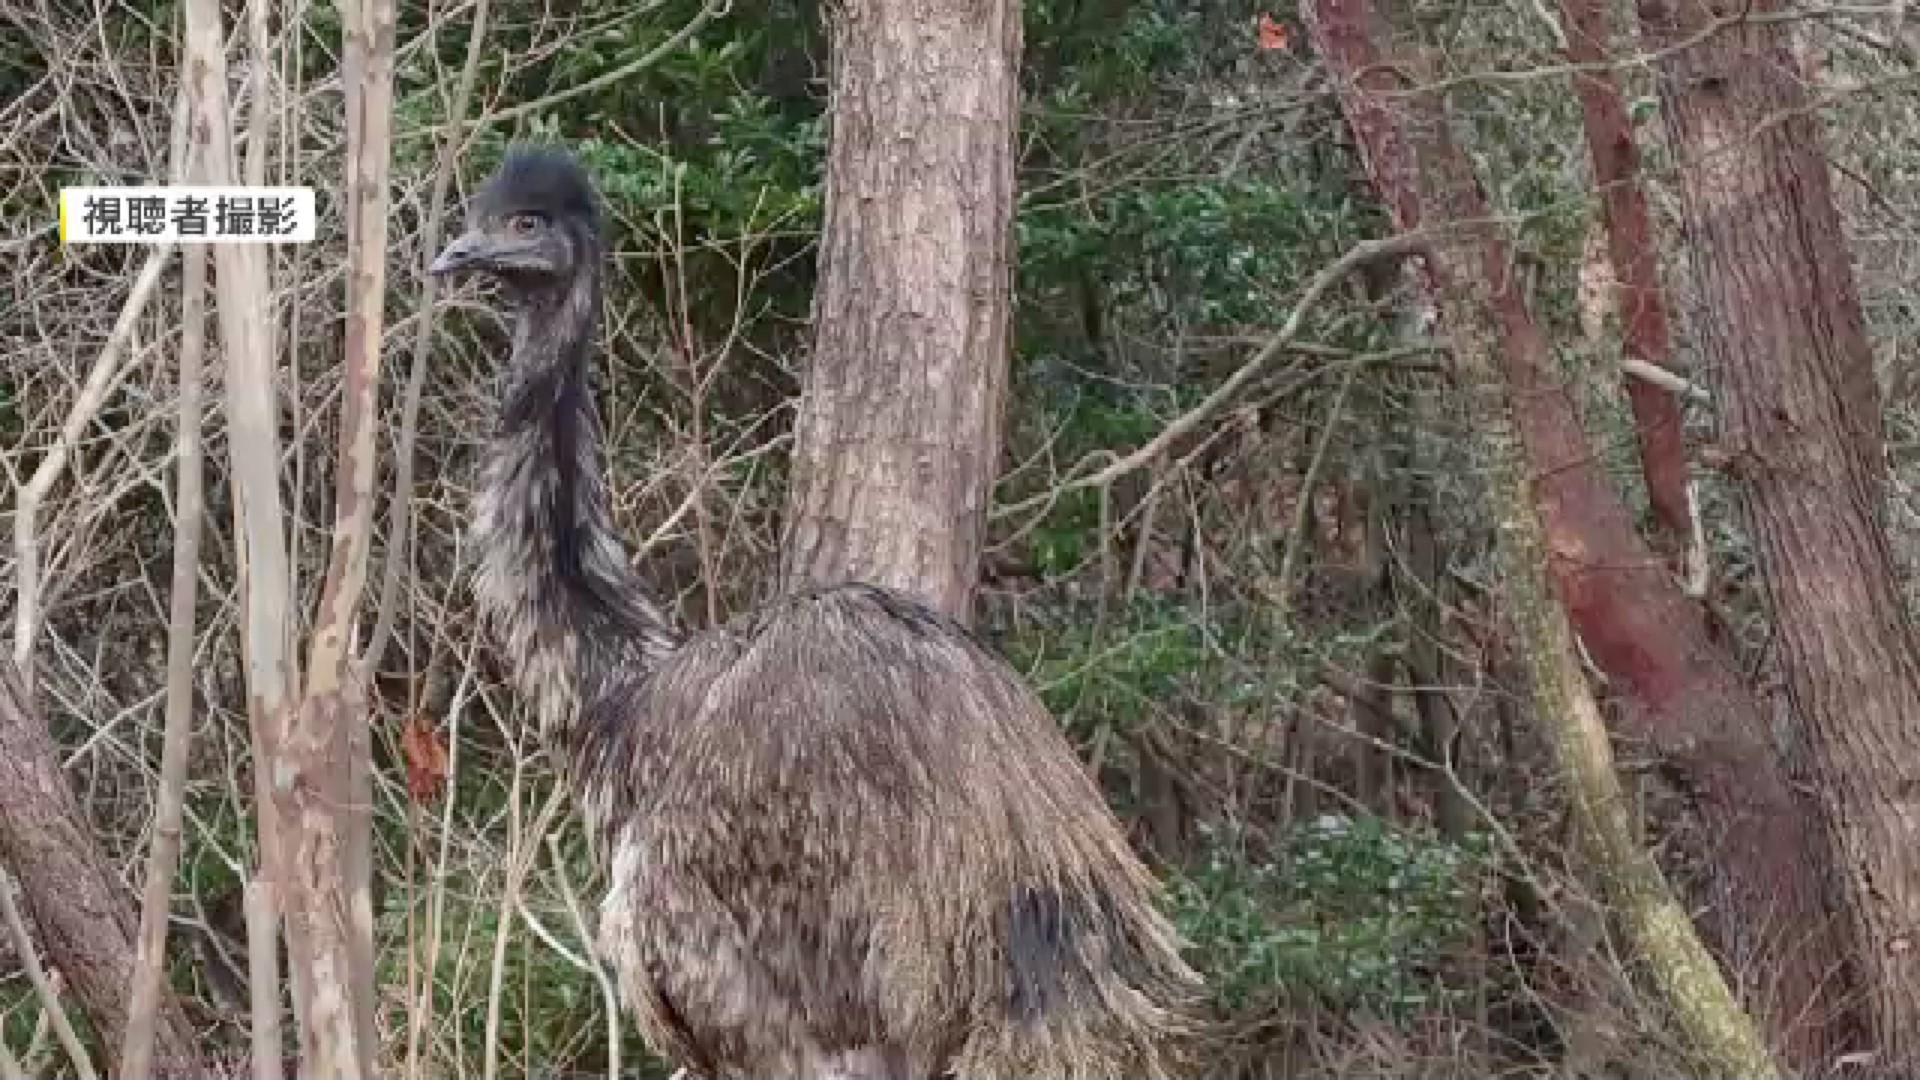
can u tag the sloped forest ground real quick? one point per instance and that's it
(1279, 644)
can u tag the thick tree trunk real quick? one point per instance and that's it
(1640, 300)
(1486, 322)
(84, 915)
(897, 441)
(1801, 431)
(1766, 912)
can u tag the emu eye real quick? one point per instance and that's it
(525, 223)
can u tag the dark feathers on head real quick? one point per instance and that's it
(542, 180)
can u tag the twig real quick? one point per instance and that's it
(1397, 246)
(42, 986)
(609, 996)
(1699, 559)
(420, 1016)
(260, 117)
(1303, 506)
(400, 517)
(163, 857)
(37, 1052)
(682, 322)
(575, 960)
(101, 381)
(527, 849)
(1553, 25)
(618, 75)
(1666, 380)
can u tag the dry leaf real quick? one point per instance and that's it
(426, 757)
(1273, 35)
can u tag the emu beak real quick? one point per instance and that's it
(466, 250)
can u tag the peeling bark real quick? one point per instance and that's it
(84, 916)
(1801, 429)
(1766, 911)
(329, 806)
(1479, 300)
(1640, 300)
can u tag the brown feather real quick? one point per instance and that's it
(845, 840)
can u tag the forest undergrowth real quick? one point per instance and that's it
(1279, 643)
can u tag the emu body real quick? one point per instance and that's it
(844, 840)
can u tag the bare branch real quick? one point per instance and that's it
(75, 900)
(1664, 379)
(252, 411)
(400, 517)
(1363, 254)
(713, 10)
(244, 304)
(101, 381)
(163, 857)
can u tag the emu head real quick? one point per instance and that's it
(534, 227)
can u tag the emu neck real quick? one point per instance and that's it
(554, 585)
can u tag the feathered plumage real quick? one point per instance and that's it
(845, 839)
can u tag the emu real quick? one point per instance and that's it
(843, 839)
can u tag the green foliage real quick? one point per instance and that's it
(552, 1011)
(713, 151)
(1064, 541)
(1088, 419)
(1151, 659)
(1145, 201)
(1350, 913)
(1096, 55)
(764, 172)
(1152, 652)
(1195, 253)
(1157, 221)
(1131, 58)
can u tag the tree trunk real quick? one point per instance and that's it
(1640, 300)
(243, 291)
(897, 441)
(1766, 912)
(328, 805)
(1801, 432)
(84, 915)
(1483, 312)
